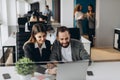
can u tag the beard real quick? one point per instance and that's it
(64, 46)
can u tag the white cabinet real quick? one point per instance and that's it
(116, 43)
(86, 44)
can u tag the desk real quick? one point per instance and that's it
(101, 71)
(105, 71)
(15, 76)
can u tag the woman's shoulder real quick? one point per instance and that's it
(47, 42)
(29, 44)
(76, 12)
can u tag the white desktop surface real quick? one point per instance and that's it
(105, 71)
(101, 71)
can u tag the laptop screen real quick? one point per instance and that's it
(72, 71)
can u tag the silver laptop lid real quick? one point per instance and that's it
(72, 71)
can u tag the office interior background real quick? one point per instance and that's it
(107, 16)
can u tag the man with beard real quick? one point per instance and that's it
(66, 49)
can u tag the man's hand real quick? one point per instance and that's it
(52, 71)
(52, 64)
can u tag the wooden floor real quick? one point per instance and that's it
(105, 54)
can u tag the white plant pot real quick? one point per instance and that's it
(25, 77)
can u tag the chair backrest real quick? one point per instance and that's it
(75, 33)
(21, 23)
(22, 20)
(21, 38)
(40, 13)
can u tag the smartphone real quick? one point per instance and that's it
(6, 76)
(89, 73)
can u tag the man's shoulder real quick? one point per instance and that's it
(75, 41)
(55, 42)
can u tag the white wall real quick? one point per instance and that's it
(42, 6)
(107, 18)
(11, 16)
(41, 2)
(67, 7)
(4, 26)
(11, 12)
(21, 7)
(49, 3)
(27, 7)
(0, 11)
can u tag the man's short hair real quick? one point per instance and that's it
(62, 29)
(47, 6)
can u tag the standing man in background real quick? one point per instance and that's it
(48, 13)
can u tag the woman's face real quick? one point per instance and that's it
(80, 8)
(40, 37)
(89, 8)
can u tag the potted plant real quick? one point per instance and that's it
(25, 67)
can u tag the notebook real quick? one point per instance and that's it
(72, 71)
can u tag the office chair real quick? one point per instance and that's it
(21, 23)
(75, 33)
(30, 25)
(40, 13)
(21, 38)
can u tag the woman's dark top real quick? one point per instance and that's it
(34, 53)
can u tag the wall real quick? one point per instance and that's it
(4, 26)
(0, 12)
(67, 7)
(41, 3)
(20, 7)
(49, 2)
(12, 16)
(8, 15)
(107, 18)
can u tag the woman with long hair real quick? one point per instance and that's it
(79, 16)
(37, 48)
(91, 23)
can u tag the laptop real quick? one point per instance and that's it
(72, 71)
